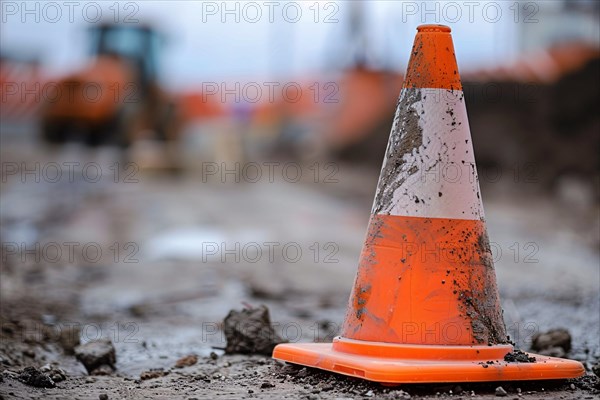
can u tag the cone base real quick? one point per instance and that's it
(388, 368)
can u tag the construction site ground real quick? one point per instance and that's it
(165, 281)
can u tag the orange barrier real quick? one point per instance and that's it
(425, 306)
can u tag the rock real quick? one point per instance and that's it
(103, 370)
(10, 374)
(500, 392)
(596, 369)
(186, 361)
(29, 353)
(250, 332)
(34, 377)
(553, 338)
(402, 395)
(153, 374)
(103, 396)
(553, 352)
(96, 353)
(266, 385)
(57, 374)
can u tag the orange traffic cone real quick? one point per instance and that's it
(425, 306)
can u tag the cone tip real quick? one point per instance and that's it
(432, 63)
(433, 28)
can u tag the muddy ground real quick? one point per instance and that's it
(160, 294)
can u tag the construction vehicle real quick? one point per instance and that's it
(116, 99)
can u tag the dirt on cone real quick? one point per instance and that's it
(519, 356)
(249, 331)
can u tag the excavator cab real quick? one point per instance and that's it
(138, 45)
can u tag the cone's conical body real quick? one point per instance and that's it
(426, 274)
(425, 306)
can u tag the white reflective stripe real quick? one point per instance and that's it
(429, 167)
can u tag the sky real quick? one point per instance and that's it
(211, 40)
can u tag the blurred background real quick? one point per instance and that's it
(171, 140)
(303, 80)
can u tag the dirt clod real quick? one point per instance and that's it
(519, 356)
(402, 395)
(34, 377)
(500, 392)
(596, 369)
(57, 374)
(186, 361)
(103, 396)
(267, 385)
(250, 332)
(153, 374)
(547, 342)
(96, 353)
(588, 383)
